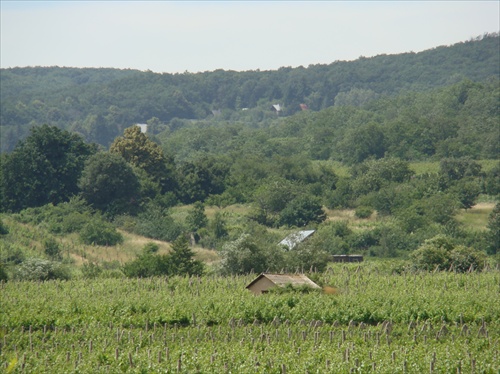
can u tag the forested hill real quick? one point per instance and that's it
(100, 103)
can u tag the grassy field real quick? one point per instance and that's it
(476, 218)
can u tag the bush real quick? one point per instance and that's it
(363, 212)
(100, 232)
(301, 211)
(157, 223)
(35, 269)
(3, 274)
(441, 253)
(462, 259)
(3, 228)
(51, 248)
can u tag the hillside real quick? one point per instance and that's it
(100, 103)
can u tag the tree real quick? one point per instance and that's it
(363, 142)
(440, 252)
(467, 192)
(242, 256)
(201, 178)
(301, 211)
(99, 232)
(182, 260)
(108, 183)
(454, 169)
(196, 218)
(42, 169)
(139, 151)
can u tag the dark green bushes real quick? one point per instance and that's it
(100, 232)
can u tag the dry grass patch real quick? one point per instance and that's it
(207, 256)
(476, 218)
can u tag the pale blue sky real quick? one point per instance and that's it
(175, 36)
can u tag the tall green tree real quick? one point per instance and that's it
(138, 150)
(108, 183)
(182, 261)
(44, 168)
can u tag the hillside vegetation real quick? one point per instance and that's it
(101, 103)
(383, 162)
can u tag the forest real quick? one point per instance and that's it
(100, 103)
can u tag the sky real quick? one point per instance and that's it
(197, 36)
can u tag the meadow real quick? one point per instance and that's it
(373, 319)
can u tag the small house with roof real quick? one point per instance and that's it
(266, 281)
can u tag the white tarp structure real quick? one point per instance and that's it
(296, 238)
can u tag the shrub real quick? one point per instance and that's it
(441, 253)
(35, 269)
(157, 223)
(462, 259)
(51, 248)
(3, 274)
(363, 212)
(100, 232)
(3, 228)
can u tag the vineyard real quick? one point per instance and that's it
(371, 320)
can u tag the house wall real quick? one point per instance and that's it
(262, 284)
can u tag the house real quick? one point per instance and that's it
(265, 281)
(292, 240)
(347, 258)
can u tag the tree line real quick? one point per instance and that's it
(100, 103)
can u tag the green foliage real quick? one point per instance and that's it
(108, 183)
(467, 192)
(196, 218)
(218, 225)
(201, 178)
(198, 314)
(301, 211)
(63, 218)
(156, 222)
(4, 277)
(35, 269)
(457, 168)
(179, 262)
(4, 230)
(44, 168)
(150, 248)
(51, 248)
(243, 256)
(372, 175)
(182, 260)
(363, 212)
(141, 152)
(147, 265)
(91, 270)
(100, 232)
(441, 253)
(362, 143)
